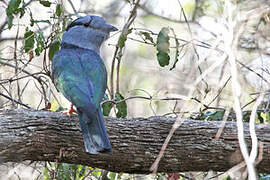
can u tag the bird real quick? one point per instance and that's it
(79, 73)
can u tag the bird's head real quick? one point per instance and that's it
(88, 32)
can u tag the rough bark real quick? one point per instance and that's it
(50, 136)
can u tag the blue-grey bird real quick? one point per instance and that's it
(80, 75)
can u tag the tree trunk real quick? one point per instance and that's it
(50, 136)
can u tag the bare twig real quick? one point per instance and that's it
(72, 6)
(13, 100)
(254, 140)
(251, 70)
(199, 43)
(219, 91)
(16, 64)
(231, 42)
(118, 50)
(175, 126)
(149, 12)
(39, 79)
(224, 119)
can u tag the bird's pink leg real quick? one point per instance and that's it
(71, 110)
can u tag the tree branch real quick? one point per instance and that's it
(50, 136)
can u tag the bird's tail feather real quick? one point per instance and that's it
(94, 133)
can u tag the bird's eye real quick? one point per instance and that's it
(87, 24)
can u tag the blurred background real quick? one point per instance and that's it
(193, 78)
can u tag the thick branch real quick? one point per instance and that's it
(49, 136)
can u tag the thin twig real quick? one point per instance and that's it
(254, 139)
(39, 78)
(149, 12)
(259, 75)
(193, 46)
(72, 6)
(219, 91)
(118, 50)
(16, 64)
(203, 44)
(224, 119)
(13, 100)
(124, 33)
(175, 126)
(231, 42)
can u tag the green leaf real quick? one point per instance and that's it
(176, 53)
(10, 21)
(163, 45)
(45, 3)
(246, 116)
(58, 10)
(260, 118)
(21, 10)
(147, 36)
(29, 40)
(163, 40)
(227, 178)
(122, 41)
(31, 19)
(40, 43)
(112, 175)
(267, 117)
(38, 51)
(107, 106)
(211, 116)
(63, 171)
(60, 108)
(12, 9)
(96, 173)
(123, 38)
(82, 171)
(163, 58)
(78, 171)
(13, 6)
(40, 21)
(46, 175)
(121, 107)
(218, 115)
(54, 47)
(64, 24)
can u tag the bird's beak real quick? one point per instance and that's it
(111, 28)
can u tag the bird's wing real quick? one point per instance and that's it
(80, 75)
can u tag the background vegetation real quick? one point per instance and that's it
(191, 58)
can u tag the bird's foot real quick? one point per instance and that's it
(71, 110)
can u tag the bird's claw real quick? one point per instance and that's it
(70, 111)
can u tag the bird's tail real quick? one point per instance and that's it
(94, 133)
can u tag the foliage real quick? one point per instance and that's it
(54, 47)
(76, 172)
(29, 40)
(209, 115)
(163, 46)
(147, 36)
(14, 9)
(121, 105)
(123, 39)
(106, 106)
(217, 115)
(164, 42)
(45, 3)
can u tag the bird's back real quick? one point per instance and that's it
(80, 75)
(79, 67)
